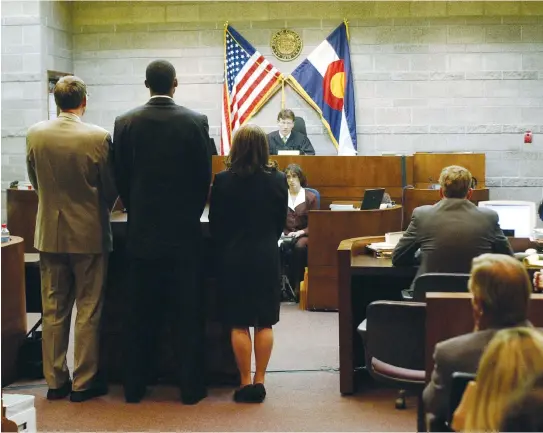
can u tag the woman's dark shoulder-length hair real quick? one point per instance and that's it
(250, 152)
(297, 170)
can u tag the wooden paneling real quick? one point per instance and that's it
(327, 230)
(13, 306)
(428, 166)
(415, 197)
(450, 314)
(22, 206)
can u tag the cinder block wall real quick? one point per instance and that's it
(36, 37)
(429, 76)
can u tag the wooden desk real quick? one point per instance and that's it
(415, 197)
(327, 230)
(13, 306)
(22, 207)
(363, 279)
(450, 314)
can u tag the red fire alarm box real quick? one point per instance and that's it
(528, 137)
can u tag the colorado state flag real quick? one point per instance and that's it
(325, 81)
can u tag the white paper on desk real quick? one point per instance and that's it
(381, 246)
(393, 237)
(341, 207)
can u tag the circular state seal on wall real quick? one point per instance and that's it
(286, 45)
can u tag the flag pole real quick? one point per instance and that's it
(282, 93)
(346, 28)
(225, 86)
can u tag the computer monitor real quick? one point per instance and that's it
(515, 217)
(372, 199)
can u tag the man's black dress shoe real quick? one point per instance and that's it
(81, 396)
(59, 393)
(134, 394)
(190, 398)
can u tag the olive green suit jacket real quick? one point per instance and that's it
(69, 164)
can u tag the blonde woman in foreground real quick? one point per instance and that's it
(512, 357)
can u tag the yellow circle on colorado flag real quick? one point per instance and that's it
(337, 85)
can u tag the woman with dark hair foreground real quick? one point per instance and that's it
(248, 209)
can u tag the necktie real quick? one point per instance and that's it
(284, 139)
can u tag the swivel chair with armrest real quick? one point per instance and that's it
(436, 282)
(394, 336)
(459, 384)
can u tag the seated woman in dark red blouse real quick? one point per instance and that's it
(300, 201)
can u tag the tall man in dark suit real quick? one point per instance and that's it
(287, 139)
(163, 170)
(501, 294)
(451, 232)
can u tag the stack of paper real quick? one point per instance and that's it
(381, 246)
(393, 237)
(534, 261)
(340, 207)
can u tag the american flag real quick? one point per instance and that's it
(249, 81)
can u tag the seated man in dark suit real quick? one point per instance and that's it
(287, 139)
(501, 295)
(451, 232)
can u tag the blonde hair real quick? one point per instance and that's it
(511, 358)
(502, 286)
(455, 181)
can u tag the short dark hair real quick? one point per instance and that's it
(69, 91)
(250, 152)
(160, 76)
(286, 114)
(297, 170)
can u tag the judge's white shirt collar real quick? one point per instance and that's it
(161, 96)
(299, 199)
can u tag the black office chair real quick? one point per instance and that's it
(436, 282)
(394, 336)
(299, 125)
(459, 383)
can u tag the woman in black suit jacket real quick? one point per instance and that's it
(248, 208)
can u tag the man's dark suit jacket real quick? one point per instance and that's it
(458, 354)
(450, 234)
(163, 173)
(296, 141)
